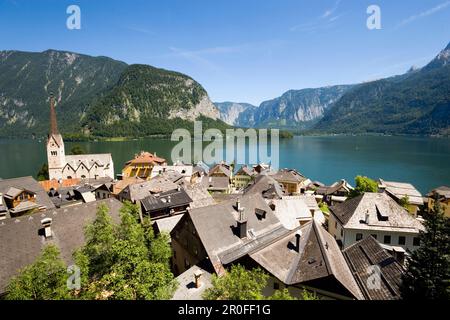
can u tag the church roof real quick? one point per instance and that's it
(88, 160)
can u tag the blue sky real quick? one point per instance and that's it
(246, 50)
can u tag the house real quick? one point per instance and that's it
(221, 170)
(142, 165)
(137, 191)
(201, 168)
(246, 231)
(293, 182)
(192, 284)
(22, 239)
(185, 172)
(307, 258)
(400, 191)
(367, 260)
(243, 177)
(216, 184)
(22, 196)
(443, 196)
(266, 186)
(334, 194)
(165, 204)
(62, 166)
(120, 185)
(376, 215)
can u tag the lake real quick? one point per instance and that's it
(424, 162)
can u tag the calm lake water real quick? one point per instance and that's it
(424, 162)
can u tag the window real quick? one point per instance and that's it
(374, 236)
(416, 242)
(387, 239)
(359, 236)
(401, 240)
(335, 224)
(187, 265)
(276, 286)
(54, 153)
(342, 232)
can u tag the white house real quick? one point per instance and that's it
(376, 215)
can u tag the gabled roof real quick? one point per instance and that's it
(166, 200)
(366, 254)
(287, 175)
(215, 183)
(139, 191)
(21, 241)
(30, 184)
(443, 191)
(246, 171)
(186, 289)
(383, 212)
(400, 190)
(317, 257)
(147, 157)
(13, 192)
(330, 190)
(221, 167)
(265, 185)
(215, 224)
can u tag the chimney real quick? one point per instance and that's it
(197, 278)
(46, 224)
(242, 224)
(298, 236)
(238, 205)
(366, 218)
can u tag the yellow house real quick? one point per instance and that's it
(243, 177)
(443, 196)
(141, 166)
(292, 181)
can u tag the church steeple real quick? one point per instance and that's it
(53, 122)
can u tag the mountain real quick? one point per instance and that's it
(230, 111)
(415, 103)
(96, 95)
(296, 109)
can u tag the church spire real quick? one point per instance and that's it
(53, 123)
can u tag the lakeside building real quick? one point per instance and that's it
(442, 194)
(376, 215)
(338, 192)
(243, 177)
(63, 166)
(293, 182)
(142, 166)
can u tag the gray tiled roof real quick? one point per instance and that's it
(30, 184)
(352, 214)
(265, 185)
(186, 289)
(368, 253)
(215, 225)
(165, 200)
(21, 241)
(317, 257)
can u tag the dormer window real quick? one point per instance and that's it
(260, 214)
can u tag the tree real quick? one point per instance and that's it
(404, 202)
(242, 284)
(324, 208)
(45, 279)
(282, 295)
(76, 150)
(42, 174)
(238, 284)
(127, 261)
(363, 185)
(428, 271)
